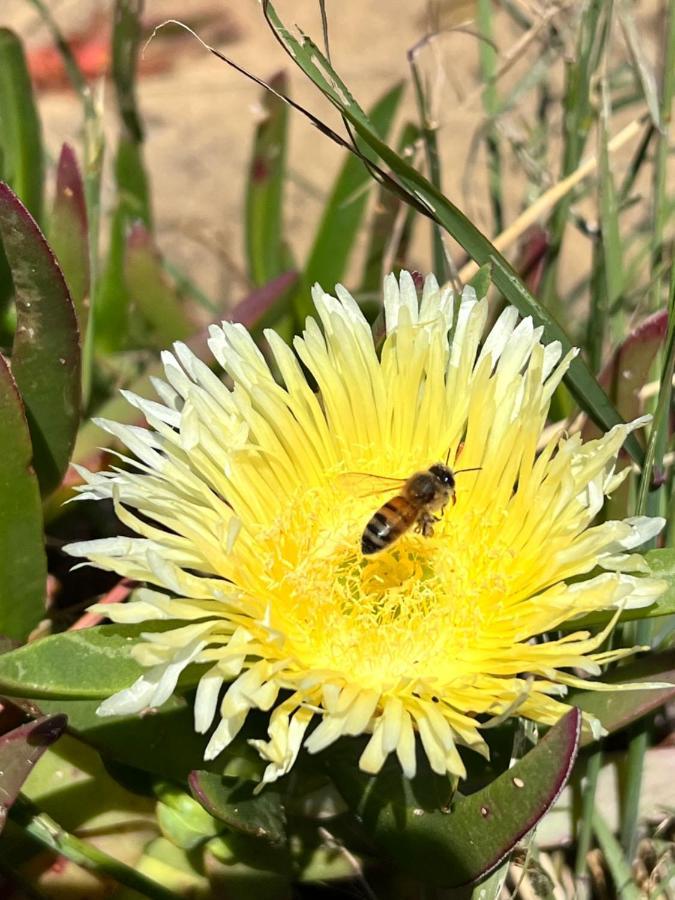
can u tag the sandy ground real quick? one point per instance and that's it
(200, 116)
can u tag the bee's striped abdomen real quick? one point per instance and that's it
(388, 524)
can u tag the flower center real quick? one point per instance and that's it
(420, 610)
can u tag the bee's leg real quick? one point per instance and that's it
(425, 524)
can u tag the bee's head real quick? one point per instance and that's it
(443, 474)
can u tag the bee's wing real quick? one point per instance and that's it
(365, 484)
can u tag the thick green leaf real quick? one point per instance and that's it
(23, 563)
(138, 741)
(157, 317)
(455, 845)
(232, 801)
(20, 132)
(344, 210)
(94, 662)
(20, 749)
(69, 233)
(46, 349)
(266, 250)
(620, 708)
(182, 819)
(422, 194)
(141, 741)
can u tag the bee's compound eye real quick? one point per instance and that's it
(443, 474)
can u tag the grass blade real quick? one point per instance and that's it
(391, 227)
(343, 212)
(133, 194)
(23, 562)
(626, 889)
(578, 118)
(640, 62)
(609, 210)
(419, 191)
(488, 64)
(429, 137)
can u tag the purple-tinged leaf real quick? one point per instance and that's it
(46, 349)
(628, 369)
(23, 563)
(232, 801)
(454, 843)
(20, 749)
(256, 305)
(620, 708)
(69, 232)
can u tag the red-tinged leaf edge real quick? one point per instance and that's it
(69, 185)
(20, 749)
(72, 248)
(46, 348)
(458, 844)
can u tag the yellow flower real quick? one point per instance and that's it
(250, 521)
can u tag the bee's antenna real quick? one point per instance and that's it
(459, 471)
(447, 455)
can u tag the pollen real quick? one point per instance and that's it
(249, 504)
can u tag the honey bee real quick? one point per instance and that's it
(421, 502)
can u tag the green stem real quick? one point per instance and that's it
(428, 133)
(631, 798)
(585, 832)
(578, 116)
(626, 889)
(50, 834)
(661, 197)
(488, 64)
